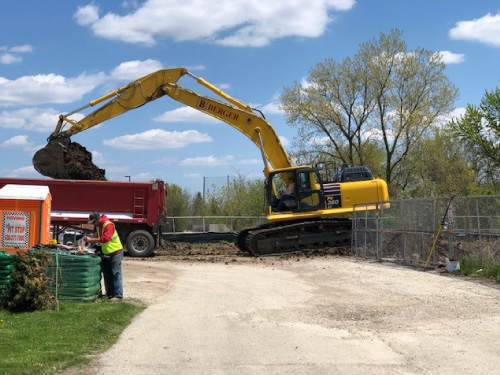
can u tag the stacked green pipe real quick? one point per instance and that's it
(78, 276)
(6, 267)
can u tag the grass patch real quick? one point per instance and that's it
(475, 265)
(46, 342)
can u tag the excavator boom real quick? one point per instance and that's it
(61, 158)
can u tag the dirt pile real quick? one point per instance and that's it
(229, 253)
(63, 159)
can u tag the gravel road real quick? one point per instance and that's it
(325, 315)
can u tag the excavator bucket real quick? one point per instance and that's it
(63, 159)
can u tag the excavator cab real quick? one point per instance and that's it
(295, 190)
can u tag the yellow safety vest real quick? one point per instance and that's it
(114, 243)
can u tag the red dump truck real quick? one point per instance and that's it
(138, 209)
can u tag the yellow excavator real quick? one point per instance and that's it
(306, 205)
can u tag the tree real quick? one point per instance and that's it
(331, 110)
(385, 95)
(178, 200)
(479, 129)
(197, 205)
(438, 166)
(241, 197)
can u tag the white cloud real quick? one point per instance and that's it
(208, 161)
(454, 115)
(34, 119)
(8, 59)
(22, 49)
(451, 58)
(87, 15)
(13, 53)
(117, 169)
(17, 141)
(252, 23)
(485, 30)
(457, 112)
(284, 141)
(250, 161)
(196, 67)
(47, 88)
(272, 108)
(97, 157)
(144, 176)
(54, 88)
(305, 84)
(186, 114)
(28, 171)
(167, 160)
(158, 139)
(192, 175)
(377, 135)
(132, 70)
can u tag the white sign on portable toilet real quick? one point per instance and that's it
(15, 229)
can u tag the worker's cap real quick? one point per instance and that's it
(94, 216)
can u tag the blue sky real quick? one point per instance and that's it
(56, 56)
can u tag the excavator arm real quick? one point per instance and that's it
(57, 159)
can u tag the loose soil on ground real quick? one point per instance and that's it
(229, 253)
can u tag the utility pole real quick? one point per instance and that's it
(204, 189)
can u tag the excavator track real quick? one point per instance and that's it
(290, 237)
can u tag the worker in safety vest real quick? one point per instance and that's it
(112, 254)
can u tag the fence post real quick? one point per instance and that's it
(173, 223)
(353, 234)
(451, 236)
(204, 189)
(479, 228)
(366, 229)
(405, 234)
(377, 247)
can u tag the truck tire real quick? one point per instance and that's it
(140, 243)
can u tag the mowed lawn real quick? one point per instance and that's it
(46, 342)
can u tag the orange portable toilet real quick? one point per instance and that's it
(24, 216)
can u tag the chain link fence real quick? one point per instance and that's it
(213, 186)
(407, 230)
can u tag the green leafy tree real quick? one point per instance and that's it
(197, 206)
(241, 197)
(385, 95)
(438, 166)
(479, 130)
(178, 200)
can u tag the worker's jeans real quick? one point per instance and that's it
(112, 271)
